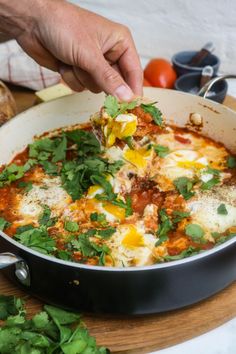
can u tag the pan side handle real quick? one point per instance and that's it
(7, 259)
(21, 268)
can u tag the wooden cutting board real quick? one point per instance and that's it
(143, 334)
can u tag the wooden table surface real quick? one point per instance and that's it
(143, 334)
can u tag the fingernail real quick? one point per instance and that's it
(124, 93)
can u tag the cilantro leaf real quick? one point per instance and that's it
(26, 185)
(37, 239)
(191, 251)
(10, 306)
(4, 223)
(179, 215)
(160, 150)
(59, 153)
(184, 186)
(209, 184)
(86, 142)
(154, 112)
(106, 233)
(231, 162)
(71, 226)
(49, 167)
(45, 217)
(222, 209)
(114, 108)
(165, 226)
(111, 105)
(194, 231)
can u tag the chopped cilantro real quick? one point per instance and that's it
(45, 217)
(4, 223)
(161, 150)
(49, 167)
(231, 162)
(194, 231)
(114, 108)
(87, 143)
(191, 251)
(52, 330)
(106, 233)
(222, 209)
(154, 112)
(209, 184)
(211, 171)
(165, 226)
(71, 226)
(184, 185)
(37, 239)
(129, 142)
(100, 218)
(26, 185)
(179, 215)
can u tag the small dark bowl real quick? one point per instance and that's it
(191, 82)
(180, 60)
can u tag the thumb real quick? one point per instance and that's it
(110, 81)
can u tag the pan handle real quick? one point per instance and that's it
(22, 272)
(206, 88)
(7, 259)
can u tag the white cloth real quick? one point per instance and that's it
(18, 68)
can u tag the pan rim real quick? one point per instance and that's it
(156, 266)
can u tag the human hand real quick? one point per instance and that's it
(88, 50)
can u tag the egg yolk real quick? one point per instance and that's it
(191, 164)
(121, 127)
(116, 211)
(132, 238)
(137, 157)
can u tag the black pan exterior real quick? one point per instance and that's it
(125, 291)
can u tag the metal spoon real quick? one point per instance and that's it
(206, 88)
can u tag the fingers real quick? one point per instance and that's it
(109, 80)
(70, 78)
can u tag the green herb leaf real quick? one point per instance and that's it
(71, 226)
(4, 223)
(106, 233)
(37, 239)
(222, 209)
(49, 167)
(191, 251)
(165, 226)
(194, 231)
(59, 153)
(179, 216)
(231, 162)
(209, 184)
(129, 142)
(10, 306)
(45, 217)
(86, 142)
(184, 186)
(212, 171)
(111, 105)
(26, 185)
(161, 150)
(154, 112)
(114, 108)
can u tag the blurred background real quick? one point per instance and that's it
(163, 27)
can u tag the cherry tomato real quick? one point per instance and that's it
(160, 73)
(146, 83)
